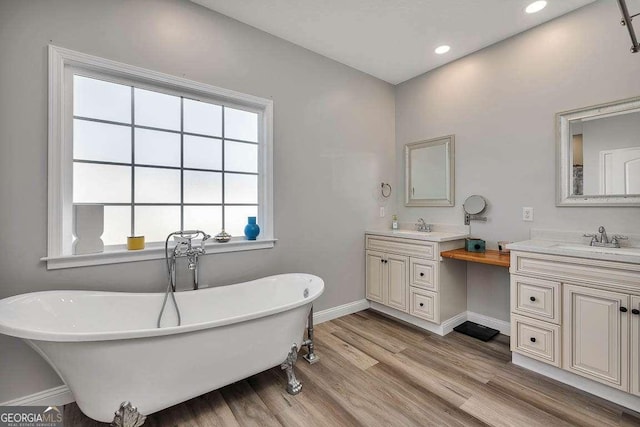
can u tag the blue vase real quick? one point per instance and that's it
(251, 230)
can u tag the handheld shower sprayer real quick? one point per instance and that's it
(183, 248)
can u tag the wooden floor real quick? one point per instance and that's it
(374, 371)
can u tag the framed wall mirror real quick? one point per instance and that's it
(429, 172)
(599, 155)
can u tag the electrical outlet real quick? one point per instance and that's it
(381, 211)
(527, 214)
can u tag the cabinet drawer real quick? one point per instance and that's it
(424, 304)
(536, 339)
(401, 246)
(423, 274)
(536, 298)
(623, 276)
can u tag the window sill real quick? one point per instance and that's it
(151, 252)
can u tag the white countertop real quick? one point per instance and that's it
(572, 249)
(434, 236)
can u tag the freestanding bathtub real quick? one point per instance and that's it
(107, 349)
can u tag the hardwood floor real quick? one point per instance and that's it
(374, 371)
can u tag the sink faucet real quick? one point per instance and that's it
(602, 240)
(423, 226)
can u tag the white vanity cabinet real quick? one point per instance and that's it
(406, 275)
(635, 345)
(579, 314)
(387, 279)
(596, 324)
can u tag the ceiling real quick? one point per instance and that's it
(393, 40)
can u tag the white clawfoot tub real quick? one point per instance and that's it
(107, 349)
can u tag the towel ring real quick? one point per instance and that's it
(385, 193)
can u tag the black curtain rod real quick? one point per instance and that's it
(627, 21)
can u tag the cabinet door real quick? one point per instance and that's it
(397, 267)
(375, 276)
(596, 335)
(635, 344)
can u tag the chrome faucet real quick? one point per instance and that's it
(423, 226)
(602, 240)
(185, 248)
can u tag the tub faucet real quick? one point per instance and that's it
(185, 248)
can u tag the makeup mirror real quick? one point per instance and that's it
(473, 207)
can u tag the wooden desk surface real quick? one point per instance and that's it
(491, 257)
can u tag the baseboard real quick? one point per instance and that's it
(339, 311)
(56, 396)
(501, 325)
(442, 329)
(608, 393)
(449, 324)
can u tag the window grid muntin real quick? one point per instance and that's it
(220, 138)
(143, 165)
(133, 163)
(182, 133)
(223, 174)
(182, 164)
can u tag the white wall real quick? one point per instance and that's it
(500, 104)
(334, 132)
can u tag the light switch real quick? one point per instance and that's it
(381, 211)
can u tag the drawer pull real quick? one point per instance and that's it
(421, 304)
(635, 311)
(623, 309)
(532, 339)
(421, 274)
(532, 298)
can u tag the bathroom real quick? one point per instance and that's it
(339, 129)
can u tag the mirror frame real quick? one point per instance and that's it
(449, 142)
(564, 173)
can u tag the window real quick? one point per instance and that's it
(159, 152)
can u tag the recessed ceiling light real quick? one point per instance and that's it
(536, 6)
(442, 49)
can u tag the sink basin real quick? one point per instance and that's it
(416, 233)
(432, 236)
(598, 249)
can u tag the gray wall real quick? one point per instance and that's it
(334, 128)
(500, 104)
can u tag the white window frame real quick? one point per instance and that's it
(60, 162)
